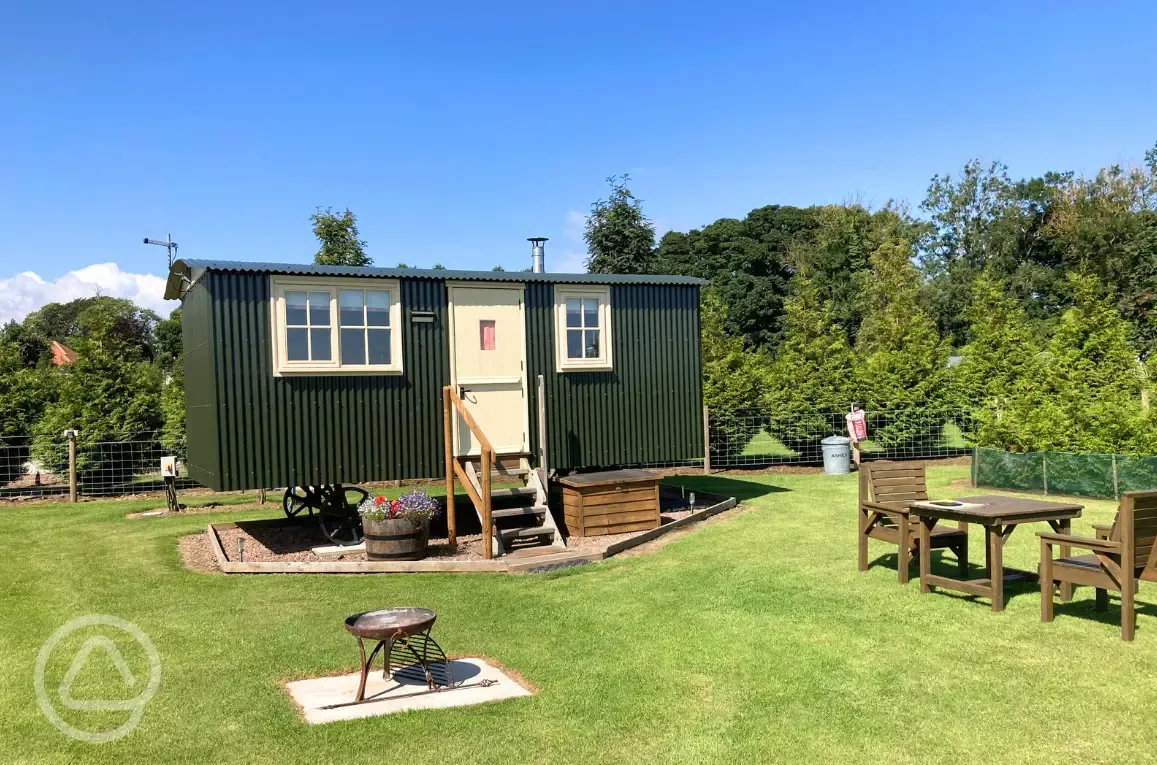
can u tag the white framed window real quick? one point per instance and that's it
(582, 319)
(329, 325)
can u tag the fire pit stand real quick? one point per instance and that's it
(408, 651)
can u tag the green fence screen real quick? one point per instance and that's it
(1082, 475)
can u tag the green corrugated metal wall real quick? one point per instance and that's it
(649, 408)
(200, 392)
(353, 429)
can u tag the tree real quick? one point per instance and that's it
(1001, 352)
(620, 238)
(835, 254)
(112, 396)
(338, 235)
(170, 359)
(169, 345)
(813, 371)
(1107, 226)
(1083, 394)
(173, 435)
(900, 357)
(733, 378)
(748, 262)
(100, 318)
(28, 343)
(24, 393)
(983, 220)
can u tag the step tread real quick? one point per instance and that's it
(513, 512)
(500, 472)
(517, 491)
(532, 531)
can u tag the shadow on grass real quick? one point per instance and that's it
(1086, 609)
(724, 485)
(944, 564)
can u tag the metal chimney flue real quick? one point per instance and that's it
(538, 253)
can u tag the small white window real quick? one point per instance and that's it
(335, 326)
(583, 328)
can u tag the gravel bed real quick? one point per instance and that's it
(295, 543)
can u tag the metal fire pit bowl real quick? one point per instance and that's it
(390, 622)
(409, 651)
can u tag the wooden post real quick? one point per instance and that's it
(487, 466)
(975, 463)
(1044, 470)
(706, 442)
(73, 492)
(542, 424)
(448, 450)
(1116, 491)
(261, 496)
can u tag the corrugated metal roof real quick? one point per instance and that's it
(182, 268)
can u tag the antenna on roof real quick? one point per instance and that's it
(168, 244)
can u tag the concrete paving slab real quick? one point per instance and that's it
(338, 550)
(327, 699)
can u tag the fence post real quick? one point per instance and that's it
(975, 463)
(1116, 491)
(1044, 469)
(73, 493)
(706, 442)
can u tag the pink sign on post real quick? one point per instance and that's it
(857, 426)
(486, 334)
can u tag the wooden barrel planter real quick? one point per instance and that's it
(395, 539)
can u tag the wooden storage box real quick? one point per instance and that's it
(612, 502)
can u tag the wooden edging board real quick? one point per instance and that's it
(441, 566)
(563, 559)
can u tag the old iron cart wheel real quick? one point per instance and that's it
(298, 498)
(339, 517)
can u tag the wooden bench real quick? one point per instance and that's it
(610, 502)
(886, 490)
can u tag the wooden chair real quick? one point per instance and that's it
(1121, 555)
(886, 489)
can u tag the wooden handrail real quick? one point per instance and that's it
(483, 502)
(468, 418)
(448, 452)
(469, 487)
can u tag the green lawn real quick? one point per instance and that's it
(749, 640)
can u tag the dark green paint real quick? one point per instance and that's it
(248, 429)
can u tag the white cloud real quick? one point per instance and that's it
(24, 293)
(571, 257)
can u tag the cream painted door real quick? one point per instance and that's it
(488, 367)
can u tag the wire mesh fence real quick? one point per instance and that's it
(760, 439)
(108, 467)
(1083, 475)
(39, 467)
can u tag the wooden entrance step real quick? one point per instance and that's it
(519, 512)
(501, 471)
(518, 491)
(526, 533)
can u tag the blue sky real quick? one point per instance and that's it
(454, 131)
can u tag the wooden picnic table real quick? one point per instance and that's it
(999, 516)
